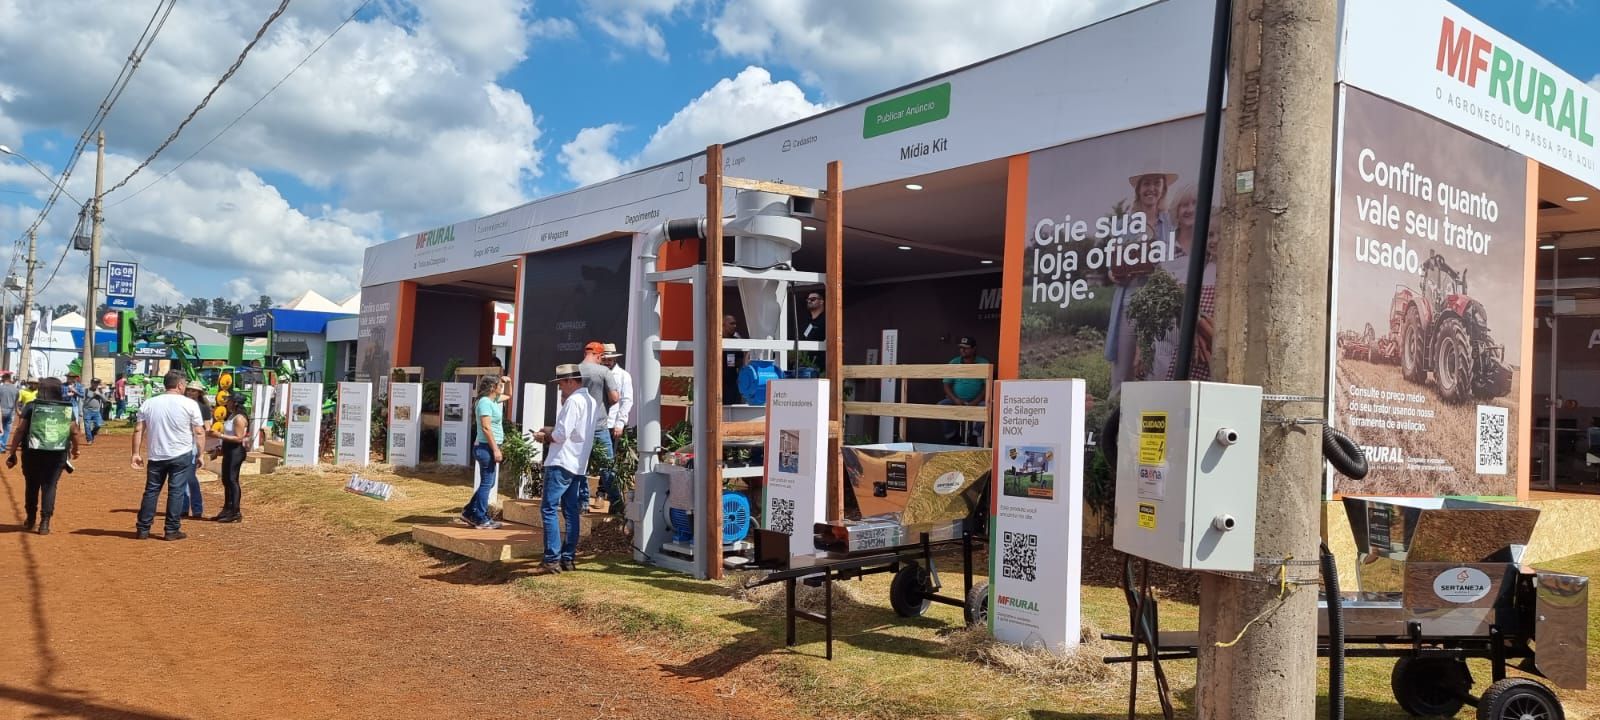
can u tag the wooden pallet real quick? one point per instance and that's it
(512, 542)
(526, 512)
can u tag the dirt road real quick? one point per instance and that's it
(276, 618)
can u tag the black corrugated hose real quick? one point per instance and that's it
(1348, 460)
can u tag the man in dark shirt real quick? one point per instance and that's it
(732, 363)
(814, 328)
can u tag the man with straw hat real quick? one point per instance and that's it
(565, 465)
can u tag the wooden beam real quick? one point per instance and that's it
(919, 372)
(833, 250)
(768, 186)
(919, 411)
(710, 445)
(677, 371)
(747, 429)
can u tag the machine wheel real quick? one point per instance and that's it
(1519, 699)
(1411, 352)
(977, 610)
(1452, 361)
(908, 592)
(1430, 686)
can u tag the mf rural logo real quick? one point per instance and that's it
(434, 238)
(1517, 83)
(1016, 602)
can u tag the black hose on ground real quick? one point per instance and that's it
(1343, 454)
(1330, 585)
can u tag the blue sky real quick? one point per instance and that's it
(424, 112)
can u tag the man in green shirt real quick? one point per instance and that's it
(964, 391)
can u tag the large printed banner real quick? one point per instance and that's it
(305, 423)
(1110, 231)
(405, 424)
(1430, 244)
(456, 424)
(1036, 533)
(355, 424)
(797, 443)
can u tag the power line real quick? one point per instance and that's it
(253, 105)
(282, 5)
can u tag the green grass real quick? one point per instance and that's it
(884, 666)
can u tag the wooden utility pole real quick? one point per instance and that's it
(95, 218)
(27, 309)
(1272, 331)
(709, 448)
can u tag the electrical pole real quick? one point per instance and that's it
(90, 322)
(27, 310)
(1271, 324)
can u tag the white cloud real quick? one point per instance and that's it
(634, 23)
(553, 28)
(1594, 82)
(735, 107)
(851, 50)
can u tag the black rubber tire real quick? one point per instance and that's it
(977, 608)
(1413, 355)
(908, 591)
(1430, 687)
(1519, 698)
(1453, 361)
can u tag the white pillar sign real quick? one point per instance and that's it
(260, 412)
(797, 443)
(887, 388)
(405, 424)
(457, 422)
(355, 424)
(305, 424)
(533, 395)
(1036, 523)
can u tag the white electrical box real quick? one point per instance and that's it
(1187, 455)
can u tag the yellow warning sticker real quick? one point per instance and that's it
(1152, 438)
(1147, 516)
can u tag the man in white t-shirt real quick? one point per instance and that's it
(566, 485)
(174, 428)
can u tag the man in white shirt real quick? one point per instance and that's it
(566, 463)
(620, 416)
(173, 425)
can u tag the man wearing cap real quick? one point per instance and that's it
(74, 392)
(9, 394)
(602, 388)
(620, 416)
(964, 391)
(566, 463)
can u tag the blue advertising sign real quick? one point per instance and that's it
(122, 282)
(257, 322)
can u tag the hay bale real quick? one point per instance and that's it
(1080, 666)
(770, 598)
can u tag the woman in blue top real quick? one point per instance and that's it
(489, 416)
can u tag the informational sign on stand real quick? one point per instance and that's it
(456, 420)
(305, 422)
(888, 387)
(797, 442)
(533, 396)
(354, 441)
(1036, 514)
(405, 424)
(260, 411)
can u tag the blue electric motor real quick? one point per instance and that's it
(753, 378)
(735, 519)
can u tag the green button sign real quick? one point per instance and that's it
(907, 111)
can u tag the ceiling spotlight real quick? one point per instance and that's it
(986, 262)
(902, 247)
(1547, 246)
(913, 186)
(808, 228)
(1586, 257)
(1578, 198)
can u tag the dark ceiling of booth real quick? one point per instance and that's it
(496, 282)
(1558, 215)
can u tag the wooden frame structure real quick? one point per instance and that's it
(903, 410)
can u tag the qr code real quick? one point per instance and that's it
(399, 440)
(297, 441)
(450, 440)
(1492, 439)
(1019, 555)
(347, 439)
(782, 516)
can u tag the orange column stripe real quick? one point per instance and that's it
(405, 323)
(1530, 265)
(1011, 290)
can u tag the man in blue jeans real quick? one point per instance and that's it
(174, 428)
(602, 387)
(565, 484)
(94, 405)
(10, 395)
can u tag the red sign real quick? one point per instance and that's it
(109, 319)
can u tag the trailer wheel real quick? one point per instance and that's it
(908, 592)
(977, 610)
(1519, 699)
(1428, 687)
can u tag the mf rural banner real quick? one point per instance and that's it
(1430, 244)
(1110, 231)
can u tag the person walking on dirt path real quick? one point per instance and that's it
(603, 389)
(172, 425)
(10, 394)
(235, 433)
(46, 435)
(94, 406)
(489, 417)
(26, 393)
(119, 393)
(197, 501)
(74, 391)
(566, 484)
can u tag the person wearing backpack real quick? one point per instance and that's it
(46, 435)
(172, 425)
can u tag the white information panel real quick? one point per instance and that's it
(533, 397)
(305, 424)
(1036, 527)
(405, 424)
(797, 442)
(260, 412)
(354, 441)
(888, 388)
(456, 424)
